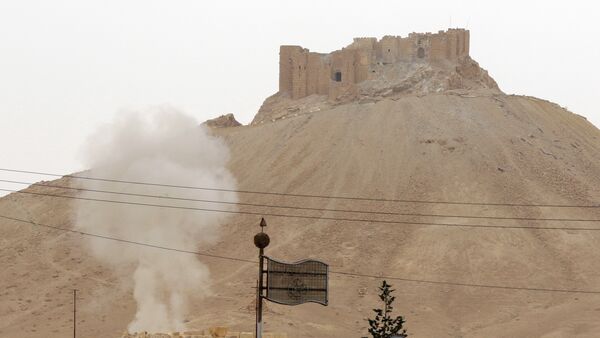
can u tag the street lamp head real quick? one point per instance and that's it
(261, 240)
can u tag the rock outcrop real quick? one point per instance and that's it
(223, 121)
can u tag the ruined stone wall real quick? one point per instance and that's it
(362, 68)
(303, 73)
(451, 45)
(389, 49)
(439, 48)
(298, 64)
(363, 43)
(364, 54)
(406, 49)
(314, 70)
(343, 62)
(467, 43)
(286, 54)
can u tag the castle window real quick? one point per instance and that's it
(338, 77)
(421, 52)
(389, 50)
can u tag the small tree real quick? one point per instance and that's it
(383, 325)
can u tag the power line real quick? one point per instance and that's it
(126, 240)
(487, 286)
(41, 225)
(302, 208)
(306, 195)
(309, 217)
(341, 273)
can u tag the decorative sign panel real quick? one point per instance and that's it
(297, 283)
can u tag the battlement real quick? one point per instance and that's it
(303, 73)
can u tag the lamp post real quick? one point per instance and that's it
(74, 313)
(261, 240)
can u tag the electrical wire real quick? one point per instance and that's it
(301, 208)
(83, 233)
(320, 218)
(341, 273)
(307, 195)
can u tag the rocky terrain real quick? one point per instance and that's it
(390, 81)
(223, 121)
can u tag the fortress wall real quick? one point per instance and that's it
(285, 75)
(439, 47)
(363, 43)
(285, 66)
(363, 60)
(467, 43)
(452, 47)
(342, 61)
(364, 50)
(421, 42)
(461, 46)
(314, 68)
(405, 48)
(318, 74)
(459, 43)
(302, 73)
(390, 49)
(324, 77)
(299, 63)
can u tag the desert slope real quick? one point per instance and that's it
(479, 147)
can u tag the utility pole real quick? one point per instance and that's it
(74, 313)
(261, 240)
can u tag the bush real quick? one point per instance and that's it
(383, 325)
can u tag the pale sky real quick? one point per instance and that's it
(69, 66)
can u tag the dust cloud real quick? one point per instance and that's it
(165, 146)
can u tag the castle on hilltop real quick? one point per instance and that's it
(303, 73)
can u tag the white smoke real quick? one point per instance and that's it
(163, 146)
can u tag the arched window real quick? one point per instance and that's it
(421, 52)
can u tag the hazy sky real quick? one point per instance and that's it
(68, 66)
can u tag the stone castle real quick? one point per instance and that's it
(303, 73)
(370, 70)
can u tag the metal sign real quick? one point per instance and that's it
(297, 283)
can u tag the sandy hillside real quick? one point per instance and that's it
(486, 147)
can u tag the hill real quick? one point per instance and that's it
(475, 146)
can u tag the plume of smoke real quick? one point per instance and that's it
(165, 146)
